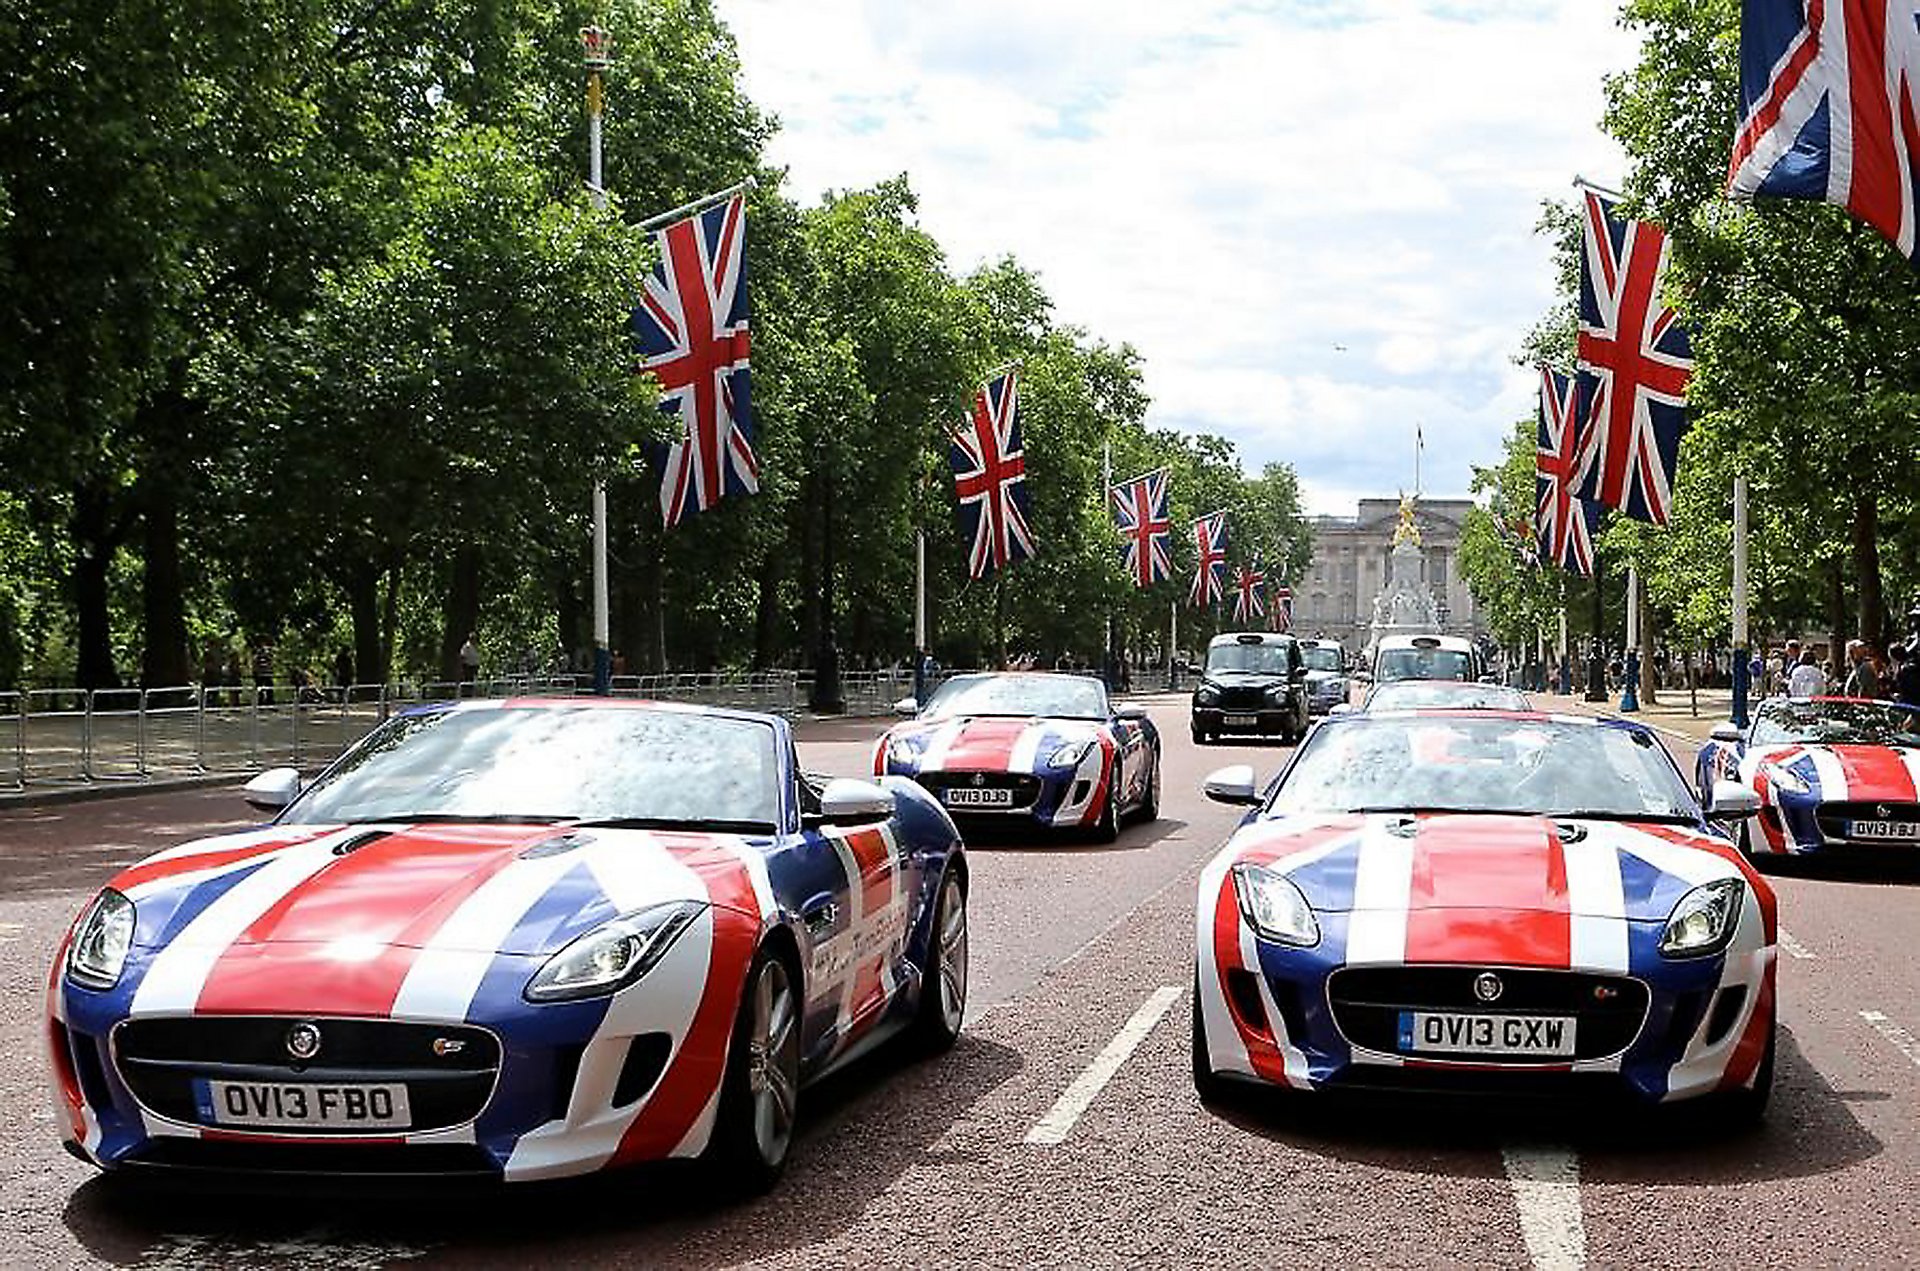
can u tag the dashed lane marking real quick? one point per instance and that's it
(1906, 1043)
(10, 931)
(1546, 1189)
(1059, 1122)
(1793, 948)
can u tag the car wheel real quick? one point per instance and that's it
(1107, 828)
(1745, 1109)
(1150, 802)
(1199, 738)
(943, 996)
(760, 1094)
(1209, 1085)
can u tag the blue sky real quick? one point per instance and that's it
(1313, 217)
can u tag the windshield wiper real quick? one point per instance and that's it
(1448, 809)
(1611, 814)
(710, 825)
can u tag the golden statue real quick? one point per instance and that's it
(1407, 531)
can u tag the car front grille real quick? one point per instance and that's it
(1608, 1010)
(1243, 699)
(448, 1069)
(1025, 787)
(1834, 818)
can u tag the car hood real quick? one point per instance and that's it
(1494, 865)
(331, 894)
(1325, 677)
(991, 743)
(1242, 679)
(1848, 772)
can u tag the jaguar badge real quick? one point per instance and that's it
(1882, 811)
(444, 1046)
(1487, 987)
(303, 1041)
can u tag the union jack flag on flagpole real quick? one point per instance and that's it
(1827, 91)
(1249, 594)
(691, 329)
(1635, 360)
(1564, 523)
(1280, 616)
(1140, 511)
(990, 477)
(1210, 564)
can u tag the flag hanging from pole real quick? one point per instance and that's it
(1280, 617)
(1635, 361)
(1140, 512)
(1826, 109)
(990, 478)
(1564, 523)
(1210, 564)
(691, 329)
(1249, 594)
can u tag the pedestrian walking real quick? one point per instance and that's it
(1807, 679)
(263, 674)
(1862, 679)
(1906, 674)
(469, 660)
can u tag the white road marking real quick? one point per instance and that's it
(1546, 1189)
(10, 931)
(1906, 1043)
(1793, 948)
(1058, 1123)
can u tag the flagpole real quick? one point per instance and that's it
(1173, 644)
(919, 615)
(1108, 671)
(1741, 677)
(596, 45)
(694, 206)
(1630, 664)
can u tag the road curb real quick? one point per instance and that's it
(101, 790)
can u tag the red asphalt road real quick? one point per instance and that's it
(927, 1164)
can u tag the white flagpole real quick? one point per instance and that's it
(595, 43)
(1741, 685)
(1107, 669)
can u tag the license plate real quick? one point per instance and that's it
(1451, 1033)
(1883, 829)
(297, 1105)
(1240, 721)
(968, 797)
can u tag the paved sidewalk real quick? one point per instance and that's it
(1672, 715)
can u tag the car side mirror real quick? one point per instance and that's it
(272, 790)
(1343, 708)
(1232, 785)
(847, 801)
(1130, 711)
(1726, 732)
(1732, 801)
(907, 706)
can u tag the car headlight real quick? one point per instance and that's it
(1785, 779)
(1070, 755)
(901, 752)
(1274, 906)
(1704, 920)
(612, 955)
(100, 941)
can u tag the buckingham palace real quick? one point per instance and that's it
(1334, 598)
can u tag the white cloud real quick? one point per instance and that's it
(1236, 188)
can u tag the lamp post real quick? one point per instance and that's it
(596, 45)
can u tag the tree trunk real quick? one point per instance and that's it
(1837, 613)
(461, 612)
(95, 540)
(1650, 636)
(1866, 568)
(362, 586)
(389, 622)
(766, 616)
(164, 661)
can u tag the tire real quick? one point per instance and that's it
(1107, 828)
(753, 1131)
(1209, 1085)
(943, 996)
(1150, 803)
(1199, 738)
(1746, 1109)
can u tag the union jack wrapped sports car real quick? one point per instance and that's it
(1831, 773)
(513, 939)
(1038, 748)
(1502, 902)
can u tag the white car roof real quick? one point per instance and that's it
(1457, 644)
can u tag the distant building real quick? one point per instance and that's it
(1334, 598)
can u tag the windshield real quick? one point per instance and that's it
(1423, 664)
(1483, 764)
(1412, 694)
(1322, 659)
(556, 763)
(1061, 696)
(1851, 723)
(1262, 659)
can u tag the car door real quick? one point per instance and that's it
(1130, 755)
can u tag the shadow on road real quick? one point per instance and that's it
(1009, 839)
(1862, 866)
(1809, 1131)
(860, 1131)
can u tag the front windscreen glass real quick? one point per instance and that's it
(1423, 664)
(1260, 659)
(1060, 696)
(1836, 723)
(1320, 659)
(1464, 763)
(671, 768)
(1414, 694)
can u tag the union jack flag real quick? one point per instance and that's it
(1635, 361)
(1140, 510)
(1210, 565)
(1249, 594)
(1280, 617)
(990, 478)
(1827, 91)
(1564, 523)
(691, 329)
